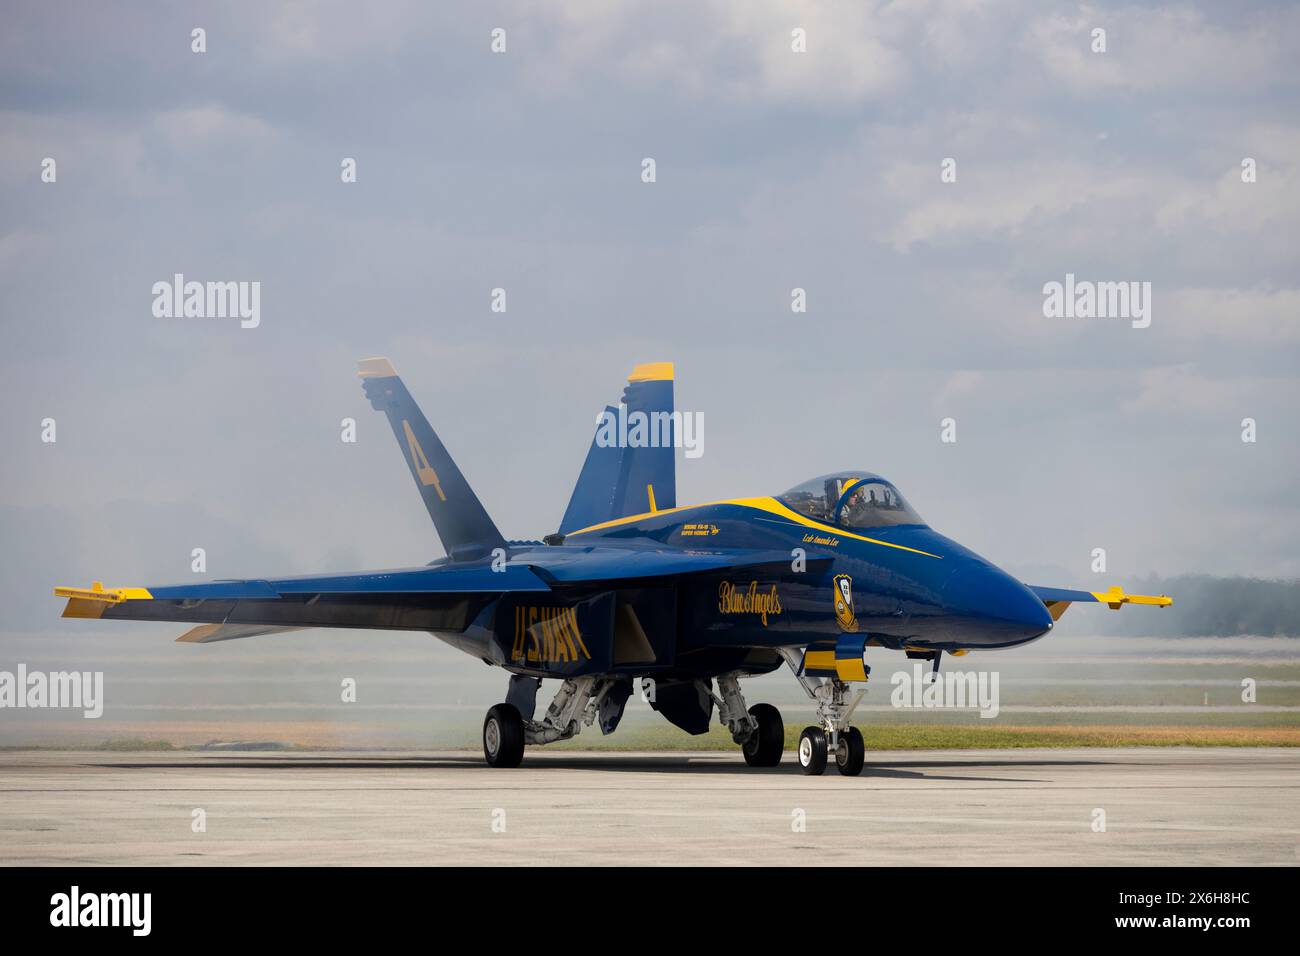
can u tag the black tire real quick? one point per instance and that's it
(503, 736)
(767, 743)
(852, 753)
(812, 751)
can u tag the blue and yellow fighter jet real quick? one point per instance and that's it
(634, 588)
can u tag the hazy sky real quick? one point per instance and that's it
(522, 170)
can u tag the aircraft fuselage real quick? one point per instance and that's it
(897, 587)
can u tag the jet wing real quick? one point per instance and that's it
(1058, 599)
(435, 598)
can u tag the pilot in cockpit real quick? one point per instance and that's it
(856, 507)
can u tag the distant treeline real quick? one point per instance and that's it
(1205, 606)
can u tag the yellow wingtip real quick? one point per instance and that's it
(97, 592)
(1116, 598)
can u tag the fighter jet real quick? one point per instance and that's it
(634, 593)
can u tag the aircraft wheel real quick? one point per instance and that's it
(812, 751)
(851, 754)
(503, 736)
(766, 744)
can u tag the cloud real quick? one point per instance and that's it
(1185, 390)
(777, 170)
(725, 51)
(959, 386)
(206, 127)
(1038, 192)
(1241, 209)
(1167, 50)
(1254, 315)
(852, 51)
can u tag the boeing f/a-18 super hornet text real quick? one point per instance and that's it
(634, 587)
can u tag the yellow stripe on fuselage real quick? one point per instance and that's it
(769, 505)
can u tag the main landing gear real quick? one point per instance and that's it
(578, 703)
(759, 730)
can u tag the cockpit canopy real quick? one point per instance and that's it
(851, 500)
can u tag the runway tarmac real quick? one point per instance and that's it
(1194, 806)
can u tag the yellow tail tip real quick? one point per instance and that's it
(652, 372)
(376, 368)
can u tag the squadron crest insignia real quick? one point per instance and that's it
(848, 621)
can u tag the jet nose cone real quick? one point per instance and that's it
(994, 608)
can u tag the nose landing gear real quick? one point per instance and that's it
(815, 746)
(835, 735)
